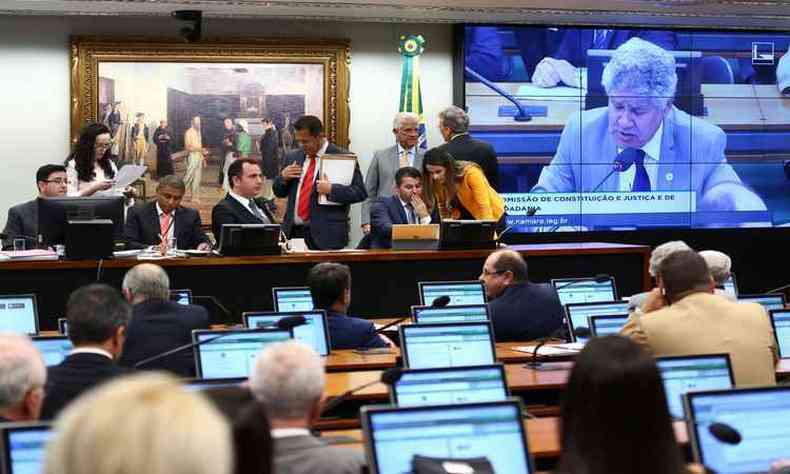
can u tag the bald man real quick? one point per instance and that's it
(22, 378)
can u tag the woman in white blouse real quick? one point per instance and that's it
(89, 167)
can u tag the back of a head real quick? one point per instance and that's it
(94, 313)
(719, 265)
(21, 369)
(288, 379)
(511, 261)
(613, 408)
(662, 251)
(140, 424)
(455, 119)
(682, 273)
(147, 281)
(327, 282)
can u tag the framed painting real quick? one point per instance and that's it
(237, 98)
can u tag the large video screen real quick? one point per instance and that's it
(626, 129)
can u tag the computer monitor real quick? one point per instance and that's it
(426, 346)
(758, 414)
(314, 333)
(418, 387)
(24, 447)
(606, 324)
(450, 314)
(294, 298)
(53, 348)
(250, 239)
(494, 430)
(682, 374)
(197, 385)
(780, 319)
(63, 326)
(54, 213)
(231, 353)
(585, 290)
(459, 292)
(467, 234)
(577, 314)
(181, 296)
(19, 313)
(769, 302)
(731, 286)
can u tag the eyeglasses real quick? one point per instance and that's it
(102, 146)
(57, 181)
(495, 272)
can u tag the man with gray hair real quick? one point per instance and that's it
(654, 145)
(454, 126)
(656, 257)
(288, 379)
(158, 324)
(22, 378)
(380, 178)
(720, 266)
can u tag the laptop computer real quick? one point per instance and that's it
(418, 387)
(53, 348)
(494, 430)
(769, 302)
(19, 313)
(294, 298)
(731, 286)
(314, 333)
(606, 324)
(585, 290)
(450, 314)
(459, 292)
(758, 414)
(577, 314)
(683, 374)
(780, 319)
(447, 344)
(181, 296)
(23, 446)
(233, 354)
(197, 385)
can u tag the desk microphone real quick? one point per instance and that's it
(219, 305)
(521, 115)
(388, 377)
(621, 163)
(393, 323)
(599, 278)
(557, 334)
(777, 290)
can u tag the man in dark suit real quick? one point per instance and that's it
(405, 207)
(22, 221)
(520, 310)
(454, 126)
(330, 287)
(240, 205)
(324, 227)
(97, 316)
(159, 221)
(158, 324)
(270, 157)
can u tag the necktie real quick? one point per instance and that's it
(641, 179)
(410, 214)
(306, 191)
(257, 211)
(404, 158)
(599, 39)
(164, 225)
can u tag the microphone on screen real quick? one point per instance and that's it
(622, 162)
(388, 377)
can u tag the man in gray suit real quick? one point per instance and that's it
(22, 221)
(380, 180)
(288, 379)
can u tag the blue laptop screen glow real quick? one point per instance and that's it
(584, 291)
(692, 374)
(451, 314)
(18, 314)
(26, 449)
(494, 432)
(234, 355)
(470, 292)
(431, 346)
(463, 385)
(605, 325)
(53, 349)
(293, 299)
(181, 296)
(782, 330)
(761, 419)
(769, 302)
(578, 314)
(729, 287)
(312, 333)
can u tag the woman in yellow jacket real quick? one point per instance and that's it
(459, 189)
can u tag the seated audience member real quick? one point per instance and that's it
(719, 265)
(98, 316)
(330, 287)
(158, 324)
(656, 257)
(22, 221)
(147, 423)
(288, 379)
(241, 206)
(22, 378)
(520, 310)
(613, 406)
(404, 207)
(159, 221)
(684, 316)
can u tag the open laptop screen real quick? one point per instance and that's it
(418, 387)
(18, 313)
(731, 286)
(450, 314)
(53, 348)
(769, 302)
(24, 446)
(578, 313)
(606, 324)
(682, 374)
(780, 318)
(584, 290)
(181, 296)
(493, 430)
(233, 354)
(292, 299)
(459, 292)
(446, 345)
(314, 333)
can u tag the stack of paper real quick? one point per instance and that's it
(35, 254)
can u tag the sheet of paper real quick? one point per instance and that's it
(339, 169)
(127, 175)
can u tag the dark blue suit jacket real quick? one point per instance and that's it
(142, 227)
(526, 311)
(576, 42)
(328, 224)
(346, 332)
(383, 214)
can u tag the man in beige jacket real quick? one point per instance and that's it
(684, 316)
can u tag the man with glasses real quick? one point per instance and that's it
(22, 221)
(520, 309)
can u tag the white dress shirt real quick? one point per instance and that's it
(159, 212)
(411, 153)
(652, 151)
(406, 210)
(91, 350)
(246, 203)
(305, 166)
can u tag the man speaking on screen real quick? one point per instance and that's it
(642, 143)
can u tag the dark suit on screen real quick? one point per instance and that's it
(526, 311)
(22, 222)
(230, 211)
(142, 227)
(346, 332)
(576, 41)
(465, 148)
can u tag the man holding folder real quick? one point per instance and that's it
(323, 226)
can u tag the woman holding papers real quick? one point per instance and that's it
(89, 167)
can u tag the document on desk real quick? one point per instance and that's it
(546, 350)
(339, 169)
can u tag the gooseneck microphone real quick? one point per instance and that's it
(599, 278)
(521, 113)
(777, 290)
(621, 163)
(557, 334)
(388, 377)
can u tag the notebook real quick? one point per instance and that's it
(606, 324)
(780, 319)
(578, 314)
(53, 348)
(682, 374)
(23, 447)
(18, 313)
(584, 290)
(232, 353)
(296, 298)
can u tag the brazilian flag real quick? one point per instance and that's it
(411, 47)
